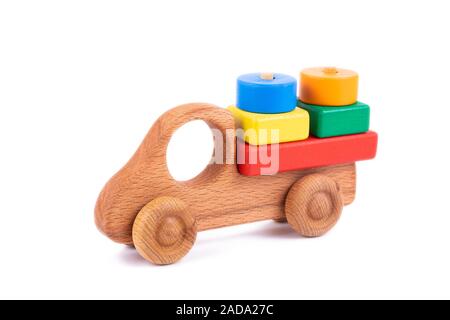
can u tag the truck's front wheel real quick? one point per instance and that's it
(164, 230)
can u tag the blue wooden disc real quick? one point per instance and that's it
(258, 95)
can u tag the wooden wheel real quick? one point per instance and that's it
(164, 230)
(313, 205)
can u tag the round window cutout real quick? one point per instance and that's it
(190, 150)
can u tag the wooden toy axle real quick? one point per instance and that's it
(266, 75)
(143, 205)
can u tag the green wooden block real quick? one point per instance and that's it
(337, 121)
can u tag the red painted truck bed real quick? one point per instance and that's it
(313, 152)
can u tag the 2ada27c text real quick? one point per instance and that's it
(247, 309)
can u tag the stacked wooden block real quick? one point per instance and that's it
(276, 126)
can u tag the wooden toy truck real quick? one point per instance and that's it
(142, 205)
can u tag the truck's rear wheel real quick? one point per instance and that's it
(164, 230)
(313, 205)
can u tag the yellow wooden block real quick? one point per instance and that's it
(262, 128)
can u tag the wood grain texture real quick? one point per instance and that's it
(219, 196)
(313, 205)
(164, 230)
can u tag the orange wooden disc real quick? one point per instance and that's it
(328, 86)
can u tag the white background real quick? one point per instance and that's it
(81, 82)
